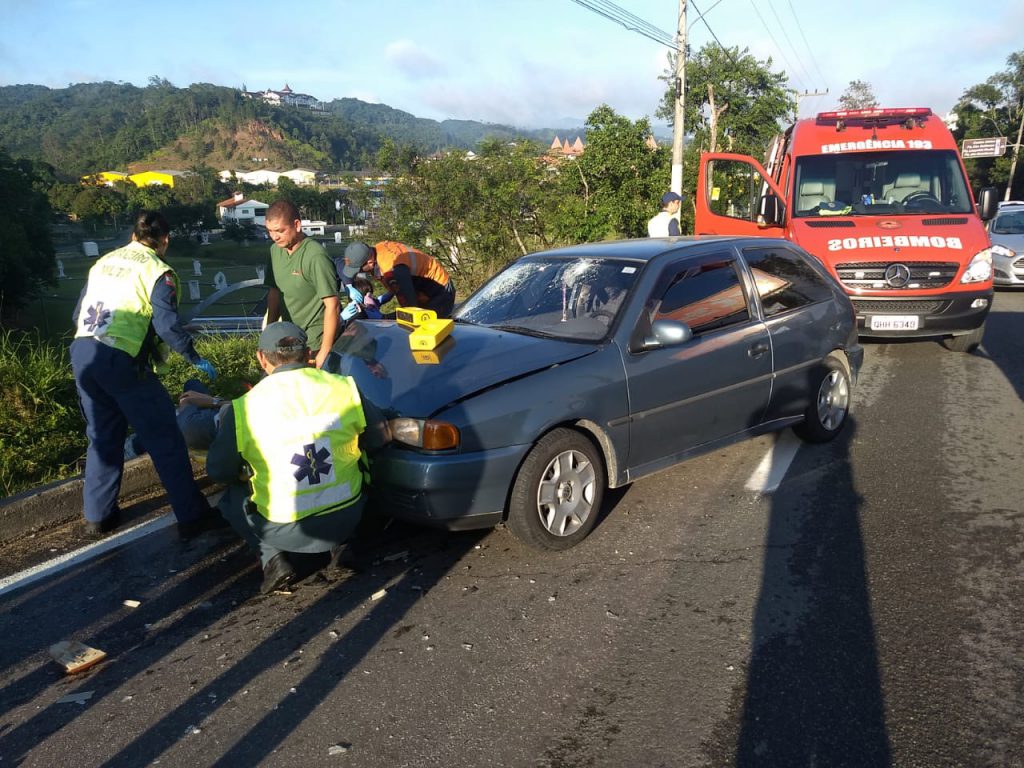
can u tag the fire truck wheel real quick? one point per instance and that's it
(968, 342)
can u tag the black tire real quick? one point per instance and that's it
(557, 493)
(829, 408)
(967, 342)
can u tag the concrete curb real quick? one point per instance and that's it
(61, 502)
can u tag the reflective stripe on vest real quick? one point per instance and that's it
(299, 431)
(117, 308)
(390, 253)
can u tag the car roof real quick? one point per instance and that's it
(648, 248)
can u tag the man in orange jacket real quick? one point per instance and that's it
(415, 278)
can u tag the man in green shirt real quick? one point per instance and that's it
(302, 280)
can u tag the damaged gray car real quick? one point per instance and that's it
(586, 368)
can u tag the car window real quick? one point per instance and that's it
(785, 280)
(706, 296)
(1009, 223)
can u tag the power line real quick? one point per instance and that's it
(785, 34)
(814, 60)
(628, 20)
(700, 17)
(782, 53)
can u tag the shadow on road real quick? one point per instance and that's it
(210, 600)
(813, 694)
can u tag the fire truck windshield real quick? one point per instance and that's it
(884, 183)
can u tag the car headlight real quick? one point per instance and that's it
(428, 434)
(980, 268)
(1002, 250)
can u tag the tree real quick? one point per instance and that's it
(612, 189)
(733, 102)
(858, 95)
(26, 250)
(995, 106)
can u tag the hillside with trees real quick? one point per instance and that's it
(90, 127)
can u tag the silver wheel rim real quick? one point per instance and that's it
(565, 496)
(833, 400)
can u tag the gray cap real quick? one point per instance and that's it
(355, 256)
(274, 334)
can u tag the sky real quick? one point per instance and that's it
(528, 63)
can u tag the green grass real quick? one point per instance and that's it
(42, 432)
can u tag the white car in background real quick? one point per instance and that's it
(1006, 231)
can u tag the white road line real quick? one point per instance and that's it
(65, 561)
(773, 466)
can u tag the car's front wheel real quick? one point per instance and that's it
(826, 414)
(557, 493)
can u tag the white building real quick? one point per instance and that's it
(313, 227)
(239, 210)
(301, 176)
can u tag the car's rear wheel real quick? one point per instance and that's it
(557, 493)
(826, 414)
(967, 342)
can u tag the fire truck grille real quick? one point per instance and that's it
(898, 307)
(871, 275)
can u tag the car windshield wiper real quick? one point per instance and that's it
(525, 331)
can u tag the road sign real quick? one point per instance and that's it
(994, 147)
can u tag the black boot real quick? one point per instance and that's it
(277, 574)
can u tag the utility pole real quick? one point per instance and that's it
(677, 127)
(805, 95)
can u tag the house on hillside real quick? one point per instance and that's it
(561, 148)
(240, 210)
(287, 97)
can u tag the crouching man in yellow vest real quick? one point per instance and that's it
(295, 438)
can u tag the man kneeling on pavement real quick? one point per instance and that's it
(289, 451)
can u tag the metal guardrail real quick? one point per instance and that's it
(235, 324)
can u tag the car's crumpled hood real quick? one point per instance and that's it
(473, 358)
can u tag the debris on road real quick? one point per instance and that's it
(378, 594)
(339, 749)
(75, 656)
(131, 603)
(75, 698)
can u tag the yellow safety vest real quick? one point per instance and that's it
(299, 431)
(117, 307)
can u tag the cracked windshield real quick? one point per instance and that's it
(575, 300)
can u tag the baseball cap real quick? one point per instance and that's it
(668, 197)
(355, 256)
(274, 334)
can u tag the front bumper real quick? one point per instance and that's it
(453, 491)
(940, 315)
(1008, 271)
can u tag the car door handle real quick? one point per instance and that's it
(758, 349)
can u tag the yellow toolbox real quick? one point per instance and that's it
(413, 317)
(427, 330)
(430, 333)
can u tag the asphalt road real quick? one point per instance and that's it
(868, 612)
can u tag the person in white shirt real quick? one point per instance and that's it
(665, 223)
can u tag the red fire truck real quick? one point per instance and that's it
(881, 197)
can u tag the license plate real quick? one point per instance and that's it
(894, 322)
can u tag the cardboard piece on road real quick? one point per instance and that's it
(75, 656)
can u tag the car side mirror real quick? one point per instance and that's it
(667, 333)
(773, 212)
(988, 202)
